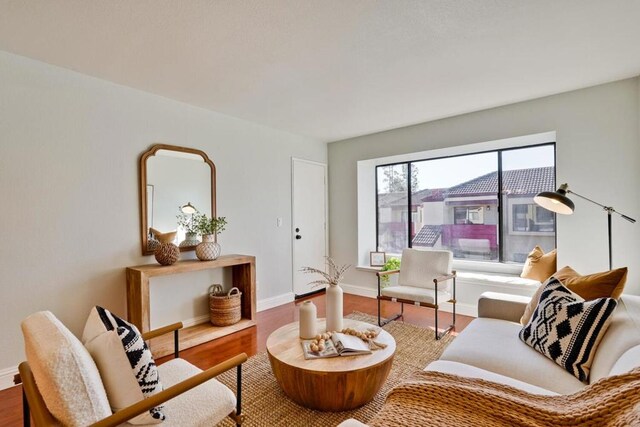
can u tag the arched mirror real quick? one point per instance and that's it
(175, 183)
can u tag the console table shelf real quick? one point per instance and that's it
(243, 269)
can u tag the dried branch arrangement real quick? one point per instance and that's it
(331, 278)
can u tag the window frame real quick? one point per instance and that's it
(500, 207)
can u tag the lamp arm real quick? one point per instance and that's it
(606, 208)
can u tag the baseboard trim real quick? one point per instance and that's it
(6, 377)
(267, 303)
(461, 308)
(359, 290)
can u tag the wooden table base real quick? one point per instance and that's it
(334, 384)
(334, 391)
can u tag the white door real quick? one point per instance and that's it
(309, 222)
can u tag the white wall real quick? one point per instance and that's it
(598, 151)
(69, 216)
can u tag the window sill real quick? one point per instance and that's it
(487, 267)
(368, 268)
(468, 266)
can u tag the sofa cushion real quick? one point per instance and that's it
(66, 376)
(623, 333)
(124, 361)
(591, 286)
(627, 362)
(568, 329)
(204, 405)
(469, 371)
(494, 345)
(539, 266)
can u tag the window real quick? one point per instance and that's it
(468, 215)
(479, 206)
(532, 218)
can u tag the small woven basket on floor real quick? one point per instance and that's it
(225, 309)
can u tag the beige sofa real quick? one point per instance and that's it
(489, 348)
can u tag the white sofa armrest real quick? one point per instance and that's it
(502, 306)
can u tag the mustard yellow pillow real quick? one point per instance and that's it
(591, 286)
(539, 266)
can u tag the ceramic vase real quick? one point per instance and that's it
(209, 249)
(308, 320)
(190, 239)
(333, 301)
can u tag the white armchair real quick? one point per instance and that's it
(425, 279)
(61, 378)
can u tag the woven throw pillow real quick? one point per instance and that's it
(539, 266)
(126, 365)
(567, 329)
(598, 285)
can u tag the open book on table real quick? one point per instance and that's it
(338, 345)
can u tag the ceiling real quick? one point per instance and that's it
(334, 69)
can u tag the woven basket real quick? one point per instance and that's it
(225, 310)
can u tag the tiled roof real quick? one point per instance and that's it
(434, 195)
(400, 199)
(427, 236)
(519, 181)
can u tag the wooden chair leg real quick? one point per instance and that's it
(26, 414)
(239, 396)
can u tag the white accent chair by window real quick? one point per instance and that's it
(424, 280)
(62, 385)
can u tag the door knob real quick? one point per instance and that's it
(297, 230)
(298, 237)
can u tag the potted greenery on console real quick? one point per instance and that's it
(209, 228)
(189, 223)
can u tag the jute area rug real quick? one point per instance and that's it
(265, 405)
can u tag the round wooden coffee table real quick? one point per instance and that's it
(333, 384)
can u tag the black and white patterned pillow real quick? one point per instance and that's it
(124, 360)
(566, 328)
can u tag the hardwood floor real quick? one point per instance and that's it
(253, 340)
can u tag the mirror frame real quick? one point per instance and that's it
(144, 227)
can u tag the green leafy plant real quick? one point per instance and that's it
(392, 263)
(332, 278)
(206, 225)
(188, 222)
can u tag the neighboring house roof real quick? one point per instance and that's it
(519, 181)
(427, 236)
(400, 199)
(391, 199)
(515, 182)
(434, 195)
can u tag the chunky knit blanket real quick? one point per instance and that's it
(437, 399)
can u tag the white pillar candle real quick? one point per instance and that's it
(308, 320)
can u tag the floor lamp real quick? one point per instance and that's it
(558, 202)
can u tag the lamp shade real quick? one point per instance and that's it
(188, 209)
(556, 201)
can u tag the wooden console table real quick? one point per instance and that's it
(243, 277)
